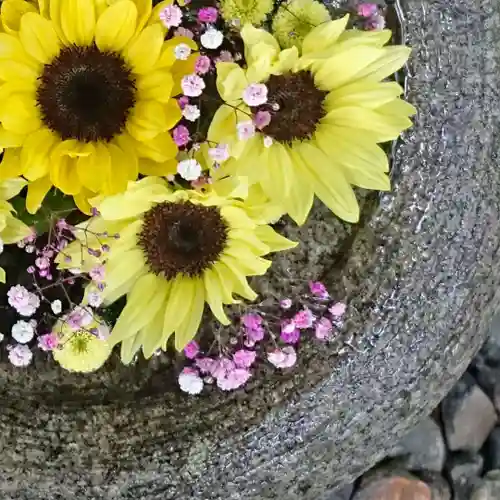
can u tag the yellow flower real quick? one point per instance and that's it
(82, 350)
(295, 19)
(86, 92)
(12, 230)
(176, 251)
(245, 11)
(329, 108)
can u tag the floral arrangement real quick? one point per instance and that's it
(150, 147)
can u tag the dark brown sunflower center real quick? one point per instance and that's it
(295, 104)
(86, 94)
(182, 238)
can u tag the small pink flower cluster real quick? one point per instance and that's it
(27, 303)
(257, 340)
(229, 372)
(372, 17)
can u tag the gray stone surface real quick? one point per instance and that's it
(489, 488)
(420, 282)
(464, 471)
(344, 493)
(423, 448)
(468, 416)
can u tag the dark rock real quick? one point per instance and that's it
(463, 471)
(423, 448)
(345, 493)
(490, 352)
(489, 488)
(394, 488)
(440, 488)
(468, 416)
(491, 451)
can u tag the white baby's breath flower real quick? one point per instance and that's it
(191, 112)
(189, 170)
(182, 51)
(190, 382)
(20, 355)
(212, 39)
(56, 306)
(23, 332)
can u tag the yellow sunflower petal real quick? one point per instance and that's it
(20, 115)
(156, 85)
(10, 165)
(12, 48)
(150, 167)
(380, 127)
(179, 302)
(37, 190)
(10, 139)
(213, 296)
(274, 241)
(391, 59)
(324, 36)
(82, 201)
(150, 118)
(94, 170)
(353, 62)
(11, 187)
(364, 94)
(329, 183)
(63, 171)
(123, 169)
(3, 276)
(78, 21)
(231, 81)
(122, 273)
(11, 13)
(14, 231)
(160, 149)
(239, 280)
(143, 52)
(188, 328)
(143, 302)
(39, 37)
(35, 154)
(116, 26)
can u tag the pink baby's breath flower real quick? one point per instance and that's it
(48, 342)
(225, 56)
(304, 319)
(290, 337)
(42, 262)
(286, 303)
(243, 358)
(375, 23)
(23, 301)
(222, 367)
(202, 65)
(220, 153)
(182, 52)
(262, 119)
(191, 350)
(190, 381)
(234, 379)
(183, 101)
(98, 273)
(323, 329)
(255, 334)
(251, 321)
(205, 365)
(367, 9)
(171, 16)
(79, 317)
(192, 85)
(318, 289)
(94, 298)
(208, 15)
(20, 355)
(246, 130)
(181, 135)
(255, 94)
(283, 358)
(337, 310)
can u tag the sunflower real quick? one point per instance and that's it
(327, 109)
(86, 95)
(175, 251)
